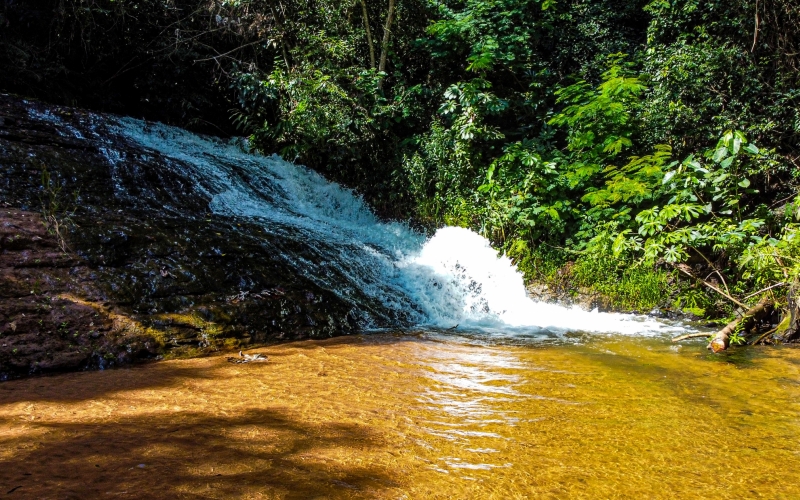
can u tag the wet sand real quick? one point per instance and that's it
(414, 416)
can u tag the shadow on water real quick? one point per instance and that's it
(191, 455)
(738, 356)
(68, 387)
(201, 428)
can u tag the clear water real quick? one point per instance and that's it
(418, 416)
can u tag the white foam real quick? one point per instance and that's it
(476, 288)
(453, 278)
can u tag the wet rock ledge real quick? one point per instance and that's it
(137, 281)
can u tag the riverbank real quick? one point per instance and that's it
(423, 415)
(139, 268)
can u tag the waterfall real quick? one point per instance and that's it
(395, 274)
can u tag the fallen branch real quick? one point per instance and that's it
(759, 339)
(691, 336)
(776, 285)
(714, 269)
(680, 267)
(721, 340)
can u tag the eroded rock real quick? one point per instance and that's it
(139, 280)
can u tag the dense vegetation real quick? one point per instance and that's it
(643, 149)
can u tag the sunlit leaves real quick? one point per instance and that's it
(697, 204)
(466, 104)
(598, 117)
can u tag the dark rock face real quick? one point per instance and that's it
(149, 270)
(47, 322)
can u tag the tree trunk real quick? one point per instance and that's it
(386, 33)
(283, 32)
(369, 35)
(721, 340)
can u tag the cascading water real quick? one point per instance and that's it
(453, 278)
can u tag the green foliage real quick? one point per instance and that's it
(539, 264)
(599, 120)
(597, 172)
(700, 202)
(772, 260)
(523, 119)
(709, 73)
(638, 287)
(437, 173)
(531, 192)
(318, 112)
(693, 300)
(737, 336)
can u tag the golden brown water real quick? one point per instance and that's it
(414, 416)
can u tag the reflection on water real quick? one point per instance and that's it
(422, 415)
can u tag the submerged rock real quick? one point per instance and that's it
(149, 270)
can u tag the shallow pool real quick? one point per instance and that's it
(415, 415)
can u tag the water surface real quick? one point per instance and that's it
(415, 415)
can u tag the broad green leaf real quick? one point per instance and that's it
(726, 163)
(752, 149)
(490, 173)
(720, 178)
(738, 138)
(720, 154)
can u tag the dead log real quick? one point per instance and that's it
(721, 340)
(691, 336)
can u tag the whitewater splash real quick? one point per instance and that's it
(393, 273)
(468, 276)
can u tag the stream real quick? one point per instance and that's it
(393, 274)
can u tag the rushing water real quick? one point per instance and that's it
(453, 278)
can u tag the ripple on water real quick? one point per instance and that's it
(646, 422)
